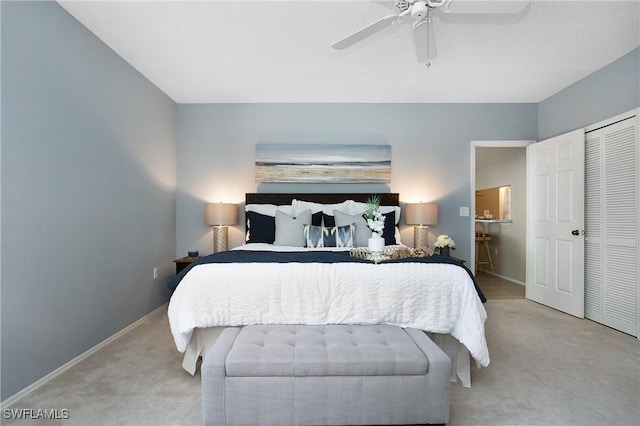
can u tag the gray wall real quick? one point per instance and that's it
(430, 149)
(612, 90)
(500, 167)
(88, 192)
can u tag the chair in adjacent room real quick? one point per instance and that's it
(483, 244)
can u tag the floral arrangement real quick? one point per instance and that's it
(445, 241)
(375, 219)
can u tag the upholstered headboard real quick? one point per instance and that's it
(387, 199)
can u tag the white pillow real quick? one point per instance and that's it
(398, 236)
(268, 209)
(299, 206)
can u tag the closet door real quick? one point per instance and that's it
(611, 222)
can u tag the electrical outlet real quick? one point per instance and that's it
(464, 211)
(155, 273)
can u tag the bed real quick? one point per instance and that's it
(275, 279)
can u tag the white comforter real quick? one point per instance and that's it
(439, 298)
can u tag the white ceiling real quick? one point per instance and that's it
(280, 51)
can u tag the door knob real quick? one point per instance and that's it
(575, 232)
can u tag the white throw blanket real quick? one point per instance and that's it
(434, 297)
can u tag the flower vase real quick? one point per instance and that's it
(376, 243)
(444, 251)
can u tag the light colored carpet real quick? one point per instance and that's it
(136, 380)
(495, 287)
(547, 368)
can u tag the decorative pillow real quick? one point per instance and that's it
(336, 236)
(389, 231)
(289, 230)
(363, 233)
(260, 228)
(328, 220)
(398, 236)
(266, 229)
(316, 219)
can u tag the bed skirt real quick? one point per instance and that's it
(203, 339)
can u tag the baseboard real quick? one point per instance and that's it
(505, 278)
(24, 392)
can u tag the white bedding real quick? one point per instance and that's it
(438, 298)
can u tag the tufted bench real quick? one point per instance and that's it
(326, 374)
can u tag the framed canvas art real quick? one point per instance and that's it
(323, 163)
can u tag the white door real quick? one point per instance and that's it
(555, 223)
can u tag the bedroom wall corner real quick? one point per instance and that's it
(87, 190)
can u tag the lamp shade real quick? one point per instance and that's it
(220, 214)
(421, 214)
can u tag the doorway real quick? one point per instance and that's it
(498, 164)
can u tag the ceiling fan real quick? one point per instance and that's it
(421, 12)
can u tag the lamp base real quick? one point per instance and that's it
(220, 238)
(420, 236)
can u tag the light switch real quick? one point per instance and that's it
(464, 211)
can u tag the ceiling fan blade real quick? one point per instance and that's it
(365, 32)
(424, 40)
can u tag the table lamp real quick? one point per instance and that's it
(220, 215)
(422, 215)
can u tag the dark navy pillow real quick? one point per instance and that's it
(389, 231)
(316, 219)
(260, 228)
(329, 221)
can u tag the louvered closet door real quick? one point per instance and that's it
(611, 222)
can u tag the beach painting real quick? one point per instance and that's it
(323, 163)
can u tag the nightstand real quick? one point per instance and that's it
(457, 259)
(183, 262)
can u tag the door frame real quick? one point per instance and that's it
(472, 210)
